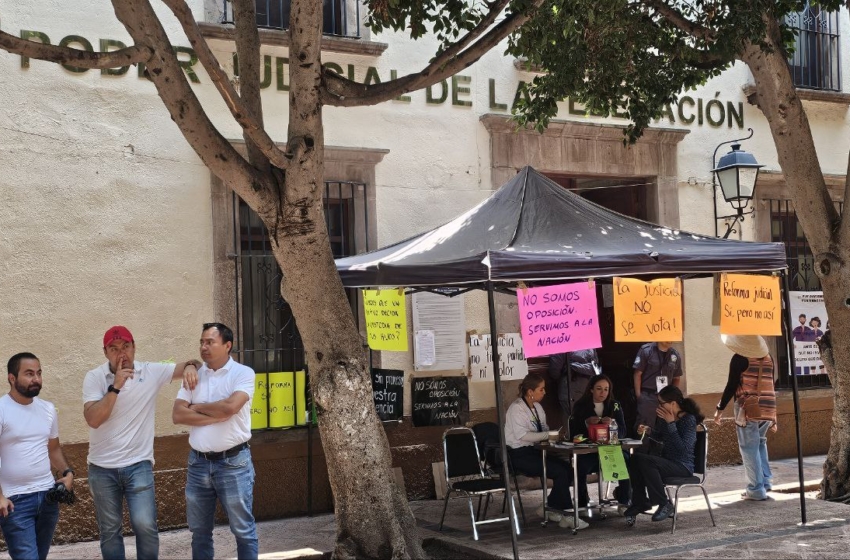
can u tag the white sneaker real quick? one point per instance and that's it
(552, 515)
(568, 522)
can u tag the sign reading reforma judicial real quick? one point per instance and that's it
(440, 401)
(386, 319)
(750, 304)
(648, 311)
(557, 319)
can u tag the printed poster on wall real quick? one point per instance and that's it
(512, 363)
(750, 304)
(647, 311)
(386, 319)
(808, 323)
(557, 319)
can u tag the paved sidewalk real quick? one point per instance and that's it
(744, 529)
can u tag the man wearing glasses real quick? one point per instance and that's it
(119, 406)
(218, 412)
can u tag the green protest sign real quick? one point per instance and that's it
(613, 463)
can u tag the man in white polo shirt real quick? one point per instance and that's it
(29, 446)
(218, 412)
(119, 406)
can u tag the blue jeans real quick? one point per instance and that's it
(109, 488)
(752, 441)
(28, 530)
(231, 481)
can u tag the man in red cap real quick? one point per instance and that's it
(119, 406)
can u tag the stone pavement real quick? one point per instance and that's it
(744, 529)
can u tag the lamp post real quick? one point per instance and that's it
(737, 173)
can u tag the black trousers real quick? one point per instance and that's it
(588, 464)
(647, 473)
(529, 461)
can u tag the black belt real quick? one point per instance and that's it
(218, 455)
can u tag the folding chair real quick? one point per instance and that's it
(465, 477)
(487, 435)
(697, 480)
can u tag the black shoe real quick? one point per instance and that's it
(635, 509)
(663, 512)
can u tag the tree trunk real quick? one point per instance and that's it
(777, 98)
(372, 515)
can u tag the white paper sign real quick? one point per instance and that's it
(512, 362)
(425, 351)
(443, 316)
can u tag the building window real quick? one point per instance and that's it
(269, 340)
(815, 63)
(341, 17)
(785, 228)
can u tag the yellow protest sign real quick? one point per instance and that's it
(281, 399)
(647, 311)
(386, 319)
(260, 403)
(750, 304)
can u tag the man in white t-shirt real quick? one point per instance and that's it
(218, 412)
(119, 406)
(29, 447)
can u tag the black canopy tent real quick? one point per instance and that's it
(534, 231)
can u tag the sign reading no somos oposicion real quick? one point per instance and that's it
(557, 319)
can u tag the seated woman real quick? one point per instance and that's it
(597, 406)
(525, 425)
(678, 431)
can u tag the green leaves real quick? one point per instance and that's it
(633, 57)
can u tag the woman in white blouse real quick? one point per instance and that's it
(525, 425)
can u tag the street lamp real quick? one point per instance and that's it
(737, 172)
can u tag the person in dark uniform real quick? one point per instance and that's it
(657, 365)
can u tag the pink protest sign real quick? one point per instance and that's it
(558, 319)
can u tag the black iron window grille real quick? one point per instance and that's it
(815, 63)
(785, 227)
(341, 18)
(267, 335)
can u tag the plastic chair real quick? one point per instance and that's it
(465, 476)
(697, 480)
(488, 434)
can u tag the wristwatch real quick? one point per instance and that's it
(112, 389)
(68, 470)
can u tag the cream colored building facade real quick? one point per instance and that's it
(108, 216)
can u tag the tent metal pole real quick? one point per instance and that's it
(792, 370)
(500, 411)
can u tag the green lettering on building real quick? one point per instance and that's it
(107, 45)
(402, 98)
(444, 93)
(458, 90)
(521, 92)
(493, 104)
(267, 72)
(29, 35)
(282, 62)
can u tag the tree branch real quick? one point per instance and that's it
(844, 224)
(186, 111)
(470, 37)
(248, 55)
(675, 17)
(75, 57)
(246, 118)
(341, 92)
